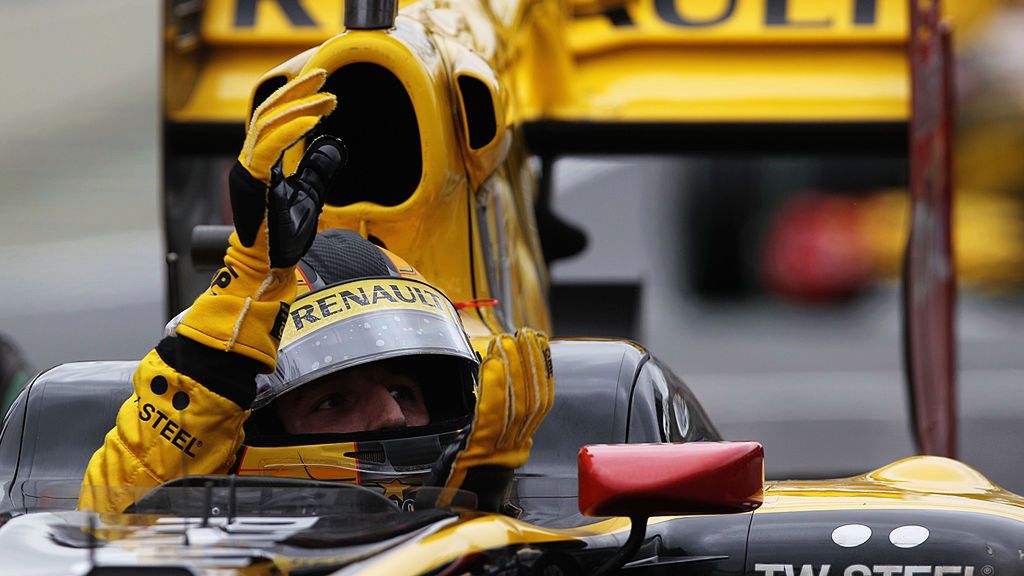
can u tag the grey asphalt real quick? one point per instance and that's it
(80, 243)
(80, 255)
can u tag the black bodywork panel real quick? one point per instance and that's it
(53, 428)
(944, 542)
(60, 419)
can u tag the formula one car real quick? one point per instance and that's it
(694, 505)
(441, 108)
(457, 111)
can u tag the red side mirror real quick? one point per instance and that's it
(644, 480)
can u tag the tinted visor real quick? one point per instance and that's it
(363, 321)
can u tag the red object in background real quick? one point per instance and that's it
(815, 250)
(644, 480)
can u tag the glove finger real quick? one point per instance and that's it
(319, 104)
(492, 347)
(276, 142)
(291, 228)
(538, 381)
(298, 87)
(296, 203)
(541, 351)
(276, 173)
(494, 405)
(549, 372)
(535, 381)
(519, 390)
(316, 171)
(263, 144)
(527, 384)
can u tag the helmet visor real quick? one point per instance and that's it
(359, 322)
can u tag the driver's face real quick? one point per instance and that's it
(358, 399)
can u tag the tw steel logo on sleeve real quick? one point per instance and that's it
(866, 570)
(164, 425)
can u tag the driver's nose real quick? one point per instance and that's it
(383, 409)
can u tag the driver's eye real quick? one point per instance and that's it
(329, 403)
(402, 394)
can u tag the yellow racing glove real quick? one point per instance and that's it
(275, 219)
(516, 392)
(193, 392)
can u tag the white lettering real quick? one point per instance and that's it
(862, 570)
(771, 569)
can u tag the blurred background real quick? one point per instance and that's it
(769, 285)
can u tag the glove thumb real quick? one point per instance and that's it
(321, 162)
(295, 203)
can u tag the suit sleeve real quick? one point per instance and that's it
(185, 417)
(193, 393)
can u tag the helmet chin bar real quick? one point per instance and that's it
(395, 461)
(411, 433)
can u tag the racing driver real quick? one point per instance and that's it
(367, 376)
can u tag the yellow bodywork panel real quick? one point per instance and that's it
(739, 23)
(468, 226)
(726, 60)
(271, 23)
(610, 60)
(239, 40)
(486, 532)
(708, 84)
(918, 482)
(222, 89)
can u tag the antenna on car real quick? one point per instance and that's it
(370, 14)
(207, 502)
(92, 541)
(231, 497)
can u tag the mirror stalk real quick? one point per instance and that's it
(637, 531)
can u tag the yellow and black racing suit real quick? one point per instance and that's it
(194, 391)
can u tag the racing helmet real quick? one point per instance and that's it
(359, 305)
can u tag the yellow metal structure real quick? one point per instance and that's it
(653, 62)
(486, 184)
(657, 60)
(594, 60)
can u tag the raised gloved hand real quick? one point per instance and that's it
(516, 392)
(275, 221)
